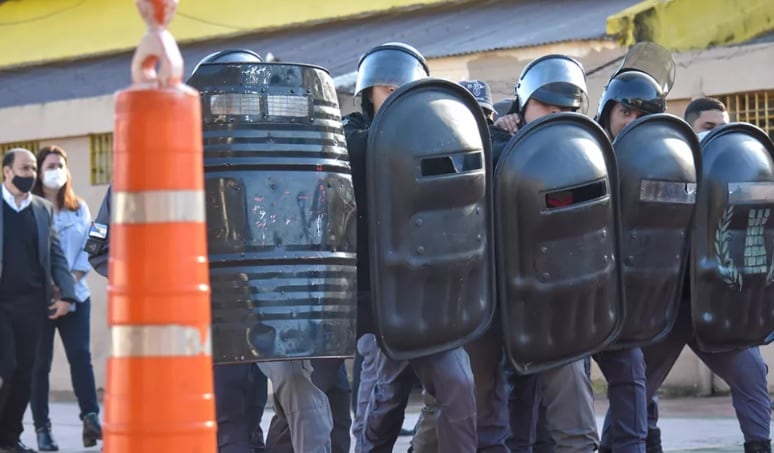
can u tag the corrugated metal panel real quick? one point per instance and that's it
(437, 32)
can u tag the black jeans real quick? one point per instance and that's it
(74, 332)
(21, 321)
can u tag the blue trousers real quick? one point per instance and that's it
(235, 407)
(743, 370)
(624, 371)
(74, 332)
(486, 361)
(385, 385)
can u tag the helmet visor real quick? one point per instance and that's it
(389, 67)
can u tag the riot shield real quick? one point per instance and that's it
(657, 159)
(556, 216)
(732, 279)
(428, 165)
(652, 59)
(280, 213)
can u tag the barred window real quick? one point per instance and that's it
(33, 146)
(755, 107)
(101, 158)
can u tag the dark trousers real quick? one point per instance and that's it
(235, 406)
(743, 370)
(626, 420)
(330, 376)
(74, 332)
(21, 321)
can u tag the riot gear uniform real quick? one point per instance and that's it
(624, 368)
(534, 341)
(247, 326)
(667, 190)
(443, 367)
(719, 315)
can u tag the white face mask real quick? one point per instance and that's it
(55, 178)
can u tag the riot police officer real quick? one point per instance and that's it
(629, 95)
(549, 84)
(486, 361)
(303, 404)
(386, 383)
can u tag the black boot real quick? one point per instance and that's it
(92, 431)
(757, 446)
(46, 441)
(653, 442)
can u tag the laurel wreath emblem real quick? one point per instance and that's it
(728, 270)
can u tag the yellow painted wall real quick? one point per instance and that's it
(35, 31)
(692, 24)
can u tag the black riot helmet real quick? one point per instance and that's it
(554, 80)
(392, 64)
(635, 90)
(229, 56)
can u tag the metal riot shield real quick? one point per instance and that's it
(732, 279)
(652, 59)
(430, 221)
(657, 159)
(557, 226)
(280, 213)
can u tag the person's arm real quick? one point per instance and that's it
(60, 272)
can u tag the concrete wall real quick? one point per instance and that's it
(711, 72)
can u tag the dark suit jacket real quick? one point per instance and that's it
(50, 253)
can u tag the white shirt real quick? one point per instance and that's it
(9, 198)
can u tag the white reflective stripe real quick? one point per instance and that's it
(158, 341)
(158, 206)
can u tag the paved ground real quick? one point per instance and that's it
(696, 425)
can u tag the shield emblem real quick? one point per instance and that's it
(732, 278)
(556, 217)
(657, 160)
(428, 165)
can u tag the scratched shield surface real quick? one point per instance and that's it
(657, 158)
(732, 278)
(280, 213)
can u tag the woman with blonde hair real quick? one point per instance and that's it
(72, 222)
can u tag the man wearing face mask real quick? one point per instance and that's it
(32, 259)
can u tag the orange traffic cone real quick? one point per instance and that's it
(159, 394)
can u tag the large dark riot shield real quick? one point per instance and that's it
(657, 160)
(556, 217)
(280, 213)
(430, 220)
(732, 281)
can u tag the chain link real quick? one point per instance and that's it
(157, 46)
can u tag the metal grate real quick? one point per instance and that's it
(755, 107)
(33, 146)
(101, 158)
